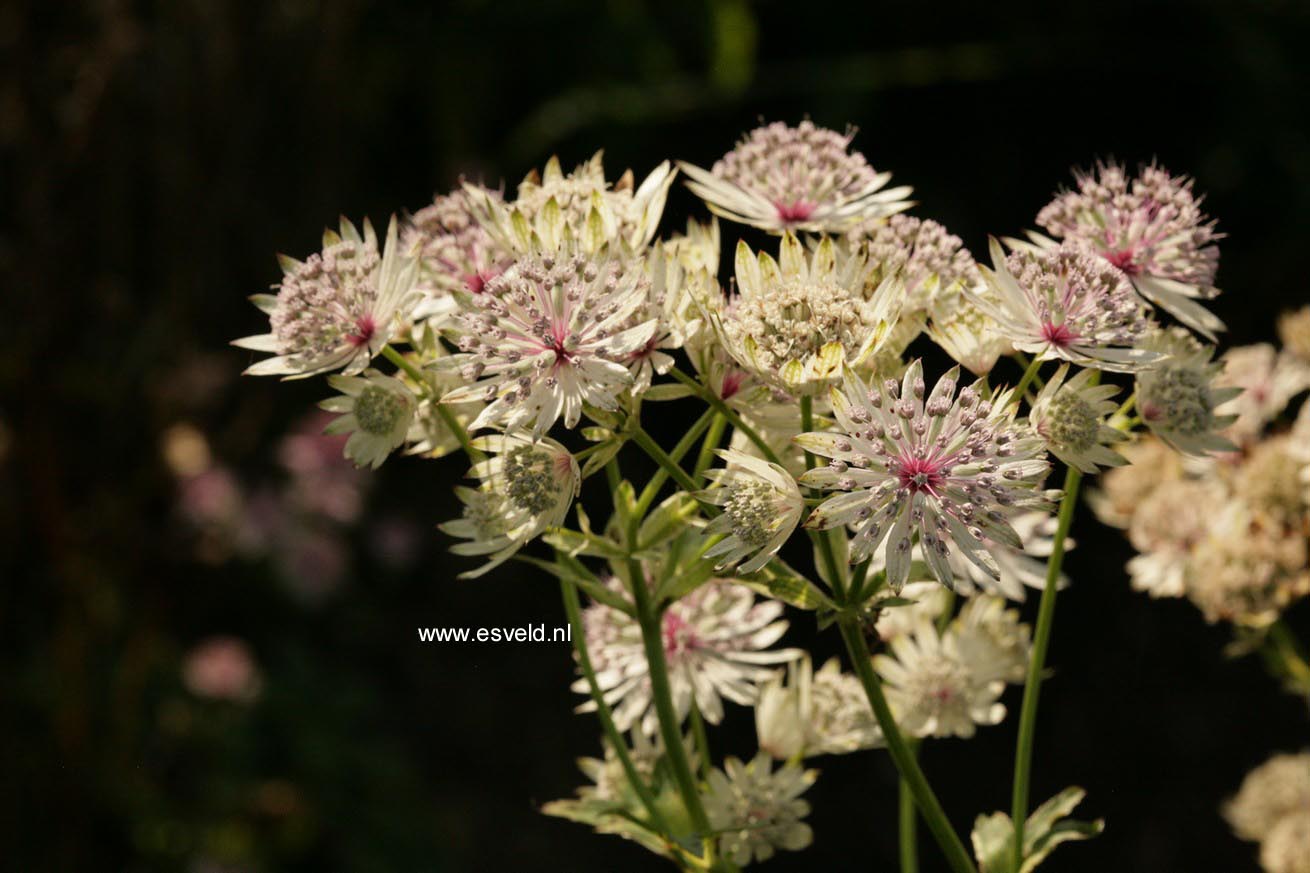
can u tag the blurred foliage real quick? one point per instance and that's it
(156, 155)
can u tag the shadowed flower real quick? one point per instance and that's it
(761, 507)
(1151, 228)
(921, 251)
(1070, 417)
(1180, 397)
(455, 253)
(336, 309)
(716, 641)
(1268, 380)
(950, 469)
(1065, 303)
(802, 178)
(526, 487)
(222, 668)
(815, 713)
(758, 810)
(1271, 792)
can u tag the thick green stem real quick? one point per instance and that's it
(917, 784)
(712, 440)
(447, 417)
(1023, 754)
(909, 830)
(573, 609)
(727, 412)
(1028, 376)
(661, 457)
(652, 489)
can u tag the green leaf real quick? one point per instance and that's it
(668, 391)
(667, 520)
(574, 543)
(783, 583)
(1045, 829)
(586, 582)
(596, 461)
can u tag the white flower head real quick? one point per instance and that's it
(1166, 526)
(551, 333)
(716, 643)
(1068, 304)
(803, 713)
(336, 309)
(596, 214)
(935, 689)
(796, 321)
(761, 506)
(802, 178)
(992, 640)
(1248, 567)
(1122, 490)
(1179, 398)
(1287, 848)
(1294, 333)
(456, 254)
(1268, 381)
(376, 411)
(757, 809)
(526, 488)
(1152, 229)
(951, 469)
(969, 335)
(1271, 792)
(1070, 417)
(927, 257)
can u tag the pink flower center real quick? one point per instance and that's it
(477, 281)
(921, 474)
(364, 330)
(1124, 259)
(732, 382)
(1058, 335)
(798, 210)
(679, 637)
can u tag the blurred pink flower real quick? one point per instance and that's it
(222, 668)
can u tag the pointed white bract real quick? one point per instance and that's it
(795, 322)
(336, 309)
(1179, 398)
(376, 411)
(761, 506)
(947, 468)
(1268, 381)
(1065, 304)
(1152, 229)
(802, 178)
(802, 713)
(526, 488)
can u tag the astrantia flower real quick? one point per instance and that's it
(1066, 303)
(1248, 568)
(761, 507)
(1168, 523)
(336, 309)
(934, 689)
(926, 256)
(1268, 381)
(950, 469)
(802, 178)
(455, 253)
(992, 639)
(698, 248)
(970, 336)
(526, 487)
(376, 411)
(796, 321)
(1122, 490)
(1070, 417)
(815, 713)
(548, 335)
(716, 643)
(758, 810)
(1271, 792)
(1179, 397)
(1271, 478)
(1294, 333)
(595, 214)
(1152, 229)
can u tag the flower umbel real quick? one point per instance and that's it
(759, 809)
(1070, 417)
(377, 411)
(802, 178)
(761, 507)
(336, 309)
(1152, 228)
(1179, 398)
(951, 469)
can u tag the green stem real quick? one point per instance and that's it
(573, 609)
(712, 441)
(1289, 654)
(652, 489)
(702, 741)
(1023, 754)
(909, 828)
(1028, 375)
(661, 457)
(727, 412)
(931, 810)
(447, 417)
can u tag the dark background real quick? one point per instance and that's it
(157, 155)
